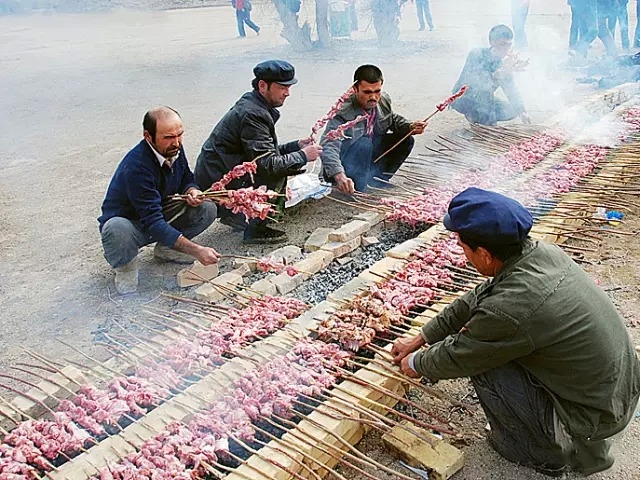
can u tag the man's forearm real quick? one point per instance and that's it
(184, 245)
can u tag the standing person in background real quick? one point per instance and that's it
(353, 16)
(243, 15)
(424, 11)
(592, 22)
(519, 13)
(619, 14)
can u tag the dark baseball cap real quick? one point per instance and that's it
(488, 216)
(277, 71)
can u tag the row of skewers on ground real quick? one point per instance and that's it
(34, 447)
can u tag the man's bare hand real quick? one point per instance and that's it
(418, 127)
(312, 152)
(407, 370)
(303, 142)
(207, 256)
(194, 198)
(344, 183)
(404, 346)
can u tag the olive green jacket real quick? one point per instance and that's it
(545, 313)
(386, 120)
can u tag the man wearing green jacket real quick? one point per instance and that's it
(548, 355)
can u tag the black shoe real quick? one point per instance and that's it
(236, 222)
(263, 234)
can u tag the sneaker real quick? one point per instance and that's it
(421, 29)
(126, 279)
(170, 255)
(263, 234)
(236, 222)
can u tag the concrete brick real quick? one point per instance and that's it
(190, 276)
(317, 239)
(243, 270)
(349, 290)
(264, 286)
(382, 268)
(338, 249)
(373, 218)
(349, 231)
(405, 249)
(251, 263)
(436, 456)
(289, 253)
(285, 283)
(314, 262)
(208, 293)
(366, 241)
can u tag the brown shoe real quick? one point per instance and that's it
(170, 255)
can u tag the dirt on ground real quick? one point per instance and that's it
(74, 90)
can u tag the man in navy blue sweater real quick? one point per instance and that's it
(132, 213)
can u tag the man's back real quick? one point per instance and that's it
(580, 349)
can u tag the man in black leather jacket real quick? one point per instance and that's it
(246, 132)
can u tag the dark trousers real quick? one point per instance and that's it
(524, 427)
(424, 11)
(619, 15)
(519, 13)
(242, 17)
(357, 158)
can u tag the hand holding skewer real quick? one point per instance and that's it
(194, 197)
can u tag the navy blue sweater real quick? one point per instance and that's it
(140, 186)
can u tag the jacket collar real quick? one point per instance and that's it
(509, 264)
(255, 97)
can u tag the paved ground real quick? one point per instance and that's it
(74, 89)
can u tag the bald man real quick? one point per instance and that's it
(132, 211)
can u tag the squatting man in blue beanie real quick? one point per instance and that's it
(548, 355)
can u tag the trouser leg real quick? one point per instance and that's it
(392, 161)
(504, 111)
(249, 22)
(356, 160)
(121, 240)
(588, 18)
(427, 13)
(573, 31)
(519, 13)
(521, 416)
(623, 19)
(196, 220)
(420, 11)
(240, 21)
(636, 35)
(604, 33)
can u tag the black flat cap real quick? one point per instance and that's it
(277, 71)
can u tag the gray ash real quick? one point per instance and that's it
(320, 285)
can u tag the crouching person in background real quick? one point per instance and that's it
(547, 353)
(132, 211)
(486, 70)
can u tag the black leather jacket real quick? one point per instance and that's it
(244, 133)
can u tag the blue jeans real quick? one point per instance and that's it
(357, 158)
(620, 15)
(424, 11)
(122, 238)
(485, 109)
(242, 17)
